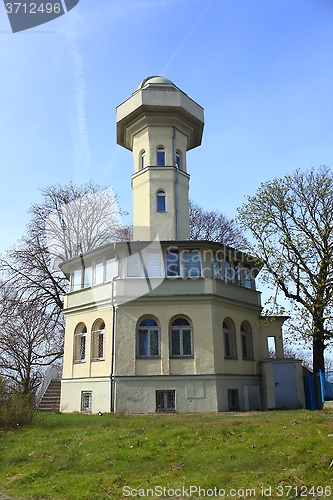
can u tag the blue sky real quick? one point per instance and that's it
(262, 70)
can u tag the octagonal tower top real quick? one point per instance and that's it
(158, 101)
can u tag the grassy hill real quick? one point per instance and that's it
(280, 454)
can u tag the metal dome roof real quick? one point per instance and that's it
(156, 80)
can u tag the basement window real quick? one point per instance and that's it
(165, 401)
(86, 401)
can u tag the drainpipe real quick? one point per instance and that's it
(177, 182)
(113, 333)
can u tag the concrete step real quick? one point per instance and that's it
(51, 399)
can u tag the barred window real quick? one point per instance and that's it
(86, 401)
(165, 401)
(98, 341)
(80, 338)
(181, 338)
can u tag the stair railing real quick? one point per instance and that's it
(52, 373)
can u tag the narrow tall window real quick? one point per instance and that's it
(179, 160)
(160, 157)
(134, 266)
(153, 261)
(227, 271)
(192, 263)
(229, 339)
(98, 340)
(247, 276)
(98, 271)
(181, 338)
(80, 342)
(143, 160)
(172, 263)
(246, 341)
(238, 273)
(87, 278)
(76, 279)
(160, 201)
(148, 338)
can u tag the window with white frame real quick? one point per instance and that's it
(98, 340)
(229, 338)
(191, 263)
(246, 340)
(181, 338)
(160, 201)
(247, 276)
(86, 401)
(216, 268)
(179, 160)
(98, 271)
(87, 274)
(110, 267)
(80, 340)
(228, 272)
(76, 278)
(153, 263)
(172, 262)
(148, 338)
(238, 273)
(134, 265)
(160, 156)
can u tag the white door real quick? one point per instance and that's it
(285, 384)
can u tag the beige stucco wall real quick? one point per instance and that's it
(71, 394)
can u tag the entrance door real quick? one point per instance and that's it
(285, 384)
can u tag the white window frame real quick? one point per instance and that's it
(97, 335)
(149, 329)
(181, 329)
(80, 340)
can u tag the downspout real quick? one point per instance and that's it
(177, 183)
(113, 333)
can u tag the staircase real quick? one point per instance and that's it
(51, 399)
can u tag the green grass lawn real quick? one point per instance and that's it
(280, 454)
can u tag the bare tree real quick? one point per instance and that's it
(31, 338)
(214, 226)
(70, 221)
(291, 221)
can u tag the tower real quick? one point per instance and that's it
(159, 123)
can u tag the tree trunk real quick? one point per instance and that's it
(318, 353)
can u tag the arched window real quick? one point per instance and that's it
(98, 340)
(142, 160)
(246, 340)
(229, 338)
(181, 338)
(80, 340)
(160, 156)
(160, 201)
(148, 338)
(179, 160)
